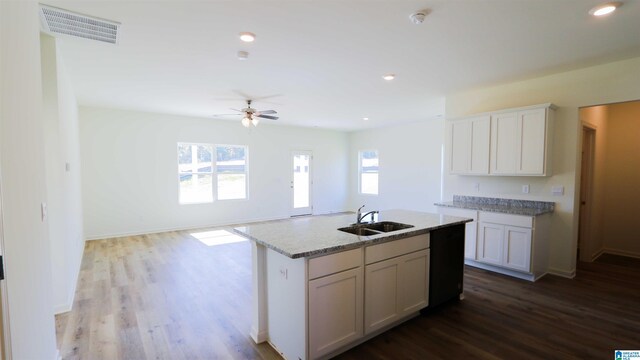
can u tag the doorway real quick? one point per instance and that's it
(585, 251)
(301, 183)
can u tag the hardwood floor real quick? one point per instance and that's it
(170, 296)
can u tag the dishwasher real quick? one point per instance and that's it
(446, 269)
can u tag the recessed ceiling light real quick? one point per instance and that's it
(605, 9)
(247, 36)
(389, 77)
(365, 119)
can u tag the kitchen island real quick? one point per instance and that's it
(318, 291)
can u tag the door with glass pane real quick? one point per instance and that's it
(301, 183)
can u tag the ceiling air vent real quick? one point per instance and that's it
(64, 22)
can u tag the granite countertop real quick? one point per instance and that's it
(499, 205)
(315, 235)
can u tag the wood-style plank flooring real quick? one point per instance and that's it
(169, 296)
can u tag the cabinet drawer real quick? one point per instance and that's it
(331, 264)
(466, 213)
(391, 249)
(506, 219)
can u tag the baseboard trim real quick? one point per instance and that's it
(621, 253)
(569, 274)
(597, 254)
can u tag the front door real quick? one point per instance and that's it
(301, 183)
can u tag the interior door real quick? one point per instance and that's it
(301, 183)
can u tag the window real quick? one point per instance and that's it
(195, 173)
(231, 167)
(368, 170)
(198, 177)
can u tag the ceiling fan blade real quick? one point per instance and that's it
(221, 115)
(238, 110)
(268, 117)
(262, 112)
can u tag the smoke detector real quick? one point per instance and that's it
(63, 22)
(419, 16)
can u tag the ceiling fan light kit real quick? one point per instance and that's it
(252, 116)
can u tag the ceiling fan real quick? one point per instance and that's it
(253, 116)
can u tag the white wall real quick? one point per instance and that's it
(409, 162)
(613, 82)
(130, 182)
(61, 142)
(595, 117)
(26, 243)
(622, 176)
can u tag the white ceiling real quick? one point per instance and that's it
(325, 59)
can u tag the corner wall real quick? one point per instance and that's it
(571, 90)
(595, 117)
(27, 250)
(130, 179)
(622, 176)
(62, 158)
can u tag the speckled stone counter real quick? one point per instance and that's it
(506, 206)
(316, 235)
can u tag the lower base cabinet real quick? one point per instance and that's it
(395, 288)
(336, 316)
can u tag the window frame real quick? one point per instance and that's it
(214, 172)
(360, 172)
(245, 172)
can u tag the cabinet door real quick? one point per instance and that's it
(459, 134)
(470, 240)
(504, 130)
(469, 145)
(480, 145)
(531, 142)
(335, 311)
(517, 248)
(490, 243)
(381, 294)
(414, 281)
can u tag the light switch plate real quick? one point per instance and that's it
(476, 186)
(525, 189)
(557, 190)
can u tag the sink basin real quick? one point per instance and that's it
(358, 230)
(387, 226)
(375, 228)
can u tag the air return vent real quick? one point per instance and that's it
(59, 21)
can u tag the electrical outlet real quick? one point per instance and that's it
(525, 189)
(284, 272)
(476, 186)
(43, 211)
(557, 190)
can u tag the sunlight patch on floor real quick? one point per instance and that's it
(217, 237)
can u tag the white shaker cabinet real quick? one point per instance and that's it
(506, 246)
(335, 311)
(521, 142)
(514, 142)
(335, 301)
(396, 281)
(469, 143)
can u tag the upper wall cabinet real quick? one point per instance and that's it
(470, 145)
(515, 142)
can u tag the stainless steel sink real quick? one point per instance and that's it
(387, 226)
(360, 231)
(375, 228)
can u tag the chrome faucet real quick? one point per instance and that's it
(359, 215)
